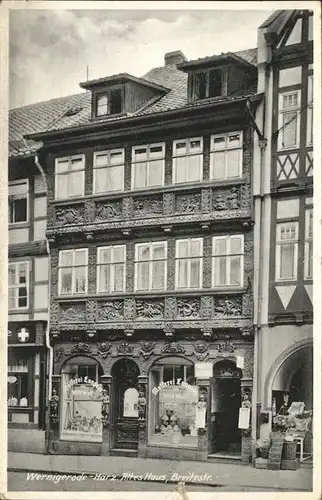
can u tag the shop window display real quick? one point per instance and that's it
(173, 403)
(81, 401)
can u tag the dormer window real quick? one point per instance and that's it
(207, 84)
(109, 102)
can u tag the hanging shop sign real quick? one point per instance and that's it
(203, 370)
(240, 362)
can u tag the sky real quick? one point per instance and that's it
(49, 50)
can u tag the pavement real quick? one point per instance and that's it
(213, 474)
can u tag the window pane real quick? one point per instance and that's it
(218, 143)
(155, 173)
(195, 273)
(183, 248)
(76, 164)
(195, 146)
(12, 275)
(183, 273)
(114, 179)
(12, 298)
(311, 27)
(200, 83)
(61, 186)
(116, 101)
(180, 169)
(289, 132)
(102, 105)
(215, 82)
(233, 141)
(66, 280)
(118, 277)
(61, 166)
(80, 257)
(195, 247)
(66, 258)
(193, 168)
(309, 259)
(20, 210)
(22, 278)
(218, 165)
(118, 254)
(101, 180)
(158, 275)
(101, 160)
(104, 278)
(116, 157)
(220, 246)
(140, 154)
(80, 280)
(158, 251)
(155, 152)
(140, 175)
(233, 163)
(76, 183)
(287, 260)
(235, 245)
(142, 276)
(181, 148)
(143, 252)
(235, 271)
(220, 271)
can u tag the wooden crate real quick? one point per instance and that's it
(290, 464)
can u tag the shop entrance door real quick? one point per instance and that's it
(226, 394)
(125, 414)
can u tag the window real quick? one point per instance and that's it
(228, 260)
(286, 250)
(18, 281)
(110, 102)
(69, 177)
(18, 201)
(308, 252)
(148, 165)
(172, 415)
(150, 266)
(72, 272)
(226, 158)
(81, 400)
(309, 133)
(189, 263)
(187, 160)
(207, 84)
(289, 119)
(111, 269)
(109, 171)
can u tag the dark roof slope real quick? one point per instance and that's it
(75, 110)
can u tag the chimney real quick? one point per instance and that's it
(176, 57)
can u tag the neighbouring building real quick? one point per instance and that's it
(283, 189)
(150, 226)
(27, 294)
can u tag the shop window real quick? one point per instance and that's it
(187, 160)
(81, 401)
(69, 177)
(173, 403)
(148, 166)
(228, 260)
(111, 269)
(289, 119)
(19, 381)
(286, 250)
(150, 266)
(308, 253)
(189, 263)
(108, 171)
(18, 285)
(18, 201)
(72, 272)
(226, 158)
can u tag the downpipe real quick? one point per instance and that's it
(47, 336)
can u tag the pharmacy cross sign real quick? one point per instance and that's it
(23, 334)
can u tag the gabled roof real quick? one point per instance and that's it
(75, 110)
